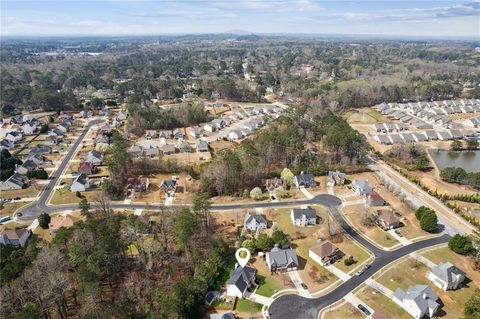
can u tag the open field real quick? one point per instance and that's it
(365, 115)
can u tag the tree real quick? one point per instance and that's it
(429, 222)
(472, 144)
(264, 243)
(279, 238)
(287, 176)
(96, 102)
(44, 220)
(456, 145)
(185, 228)
(201, 207)
(29, 311)
(44, 128)
(256, 193)
(249, 244)
(422, 163)
(461, 244)
(84, 206)
(472, 306)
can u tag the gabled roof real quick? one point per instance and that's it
(13, 234)
(282, 257)
(421, 295)
(387, 216)
(17, 179)
(256, 218)
(169, 183)
(304, 178)
(445, 271)
(324, 249)
(82, 179)
(308, 212)
(241, 277)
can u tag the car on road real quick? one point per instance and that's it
(19, 214)
(17, 198)
(304, 286)
(364, 309)
(367, 266)
(398, 233)
(360, 272)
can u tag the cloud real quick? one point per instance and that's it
(264, 6)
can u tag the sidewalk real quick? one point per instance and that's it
(384, 290)
(355, 301)
(297, 281)
(258, 298)
(422, 259)
(168, 201)
(306, 193)
(138, 212)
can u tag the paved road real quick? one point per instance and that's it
(295, 306)
(32, 211)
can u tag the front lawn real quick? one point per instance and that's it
(247, 306)
(346, 310)
(405, 274)
(31, 191)
(382, 304)
(350, 248)
(267, 286)
(65, 196)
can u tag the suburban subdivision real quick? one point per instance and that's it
(135, 170)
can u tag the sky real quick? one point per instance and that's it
(154, 17)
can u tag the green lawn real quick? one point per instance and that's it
(350, 248)
(65, 196)
(405, 274)
(380, 303)
(243, 305)
(267, 286)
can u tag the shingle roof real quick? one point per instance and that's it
(241, 277)
(309, 212)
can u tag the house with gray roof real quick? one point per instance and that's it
(94, 157)
(167, 149)
(279, 259)
(16, 181)
(255, 221)
(444, 135)
(303, 217)
(418, 301)
(361, 187)
(446, 276)
(241, 278)
(336, 177)
(202, 146)
(396, 138)
(304, 180)
(80, 184)
(15, 237)
(135, 151)
(432, 135)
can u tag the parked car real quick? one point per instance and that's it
(398, 233)
(17, 198)
(364, 309)
(367, 266)
(360, 272)
(19, 214)
(304, 286)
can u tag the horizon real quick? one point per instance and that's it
(384, 19)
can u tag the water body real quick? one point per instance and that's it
(469, 161)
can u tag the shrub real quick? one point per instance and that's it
(429, 222)
(349, 261)
(44, 220)
(461, 244)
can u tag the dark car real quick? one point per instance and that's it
(398, 233)
(19, 214)
(17, 198)
(364, 309)
(304, 286)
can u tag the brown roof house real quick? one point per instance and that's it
(374, 199)
(274, 183)
(325, 253)
(60, 221)
(139, 184)
(14, 237)
(386, 219)
(86, 168)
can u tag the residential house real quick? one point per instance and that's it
(15, 237)
(29, 127)
(418, 301)
(121, 116)
(194, 132)
(80, 184)
(6, 144)
(26, 167)
(223, 315)
(303, 217)
(241, 278)
(13, 136)
(150, 134)
(274, 183)
(386, 219)
(52, 140)
(59, 221)
(255, 221)
(64, 127)
(16, 181)
(135, 151)
(325, 253)
(183, 146)
(165, 134)
(235, 135)
(202, 146)
(151, 152)
(210, 127)
(336, 177)
(94, 157)
(139, 184)
(38, 159)
(56, 132)
(169, 186)
(446, 276)
(40, 149)
(361, 187)
(86, 168)
(167, 149)
(304, 180)
(374, 199)
(281, 259)
(178, 134)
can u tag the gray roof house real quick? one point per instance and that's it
(14, 237)
(80, 184)
(135, 151)
(202, 146)
(241, 278)
(361, 187)
(16, 181)
(418, 301)
(167, 149)
(255, 221)
(303, 217)
(305, 180)
(40, 149)
(446, 276)
(279, 259)
(94, 157)
(336, 177)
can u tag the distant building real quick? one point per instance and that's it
(15, 237)
(361, 187)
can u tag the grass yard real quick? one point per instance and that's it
(247, 306)
(352, 213)
(10, 208)
(405, 274)
(31, 191)
(346, 310)
(268, 285)
(65, 196)
(363, 116)
(350, 248)
(380, 303)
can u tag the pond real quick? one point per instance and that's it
(469, 161)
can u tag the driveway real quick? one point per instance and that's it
(297, 281)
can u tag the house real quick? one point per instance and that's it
(446, 276)
(255, 221)
(386, 219)
(202, 146)
(241, 278)
(361, 187)
(139, 184)
(29, 127)
(304, 180)
(374, 199)
(151, 152)
(165, 134)
(80, 184)
(86, 168)
(40, 149)
(26, 167)
(94, 157)
(210, 127)
(64, 127)
(38, 159)
(178, 134)
(121, 116)
(303, 217)
(325, 253)
(183, 146)
(6, 144)
(13, 136)
(52, 140)
(336, 178)
(56, 132)
(169, 186)
(223, 315)
(135, 151)
(150, 134)
(418, 301)
(194, 132)
(16, 181)
(59, 221)
(15, 237)
(274, 183)
(279, 259)
(167, 149)
(235, 135)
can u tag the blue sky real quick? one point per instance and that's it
(132, 17)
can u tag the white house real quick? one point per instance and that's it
(240, 280)
(235, 135)
(29, 127)
(255, 221)
(361, 187)
(94, 157)
(446, 276)
(80, 184)
(14, 237)
(209, 127)
(303, 217)
(13, 136)
(418, 301)
(16, 181)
